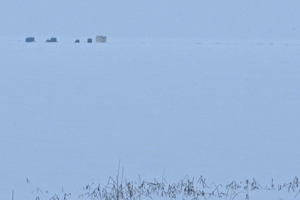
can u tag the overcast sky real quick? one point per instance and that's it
(221, 19)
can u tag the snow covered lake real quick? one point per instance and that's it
(167, 108)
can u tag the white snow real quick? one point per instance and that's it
(224, 110)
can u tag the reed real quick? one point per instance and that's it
(119, 188)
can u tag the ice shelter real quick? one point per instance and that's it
(29, 39)
(53, 39)
(101, 39)
(89, 40)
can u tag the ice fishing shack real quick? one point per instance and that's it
(53, 39)
(101, 39)
(29, 39)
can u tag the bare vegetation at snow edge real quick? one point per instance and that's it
(187, 188)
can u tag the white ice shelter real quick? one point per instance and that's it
(100, 38)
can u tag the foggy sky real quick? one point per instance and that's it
(212, 19)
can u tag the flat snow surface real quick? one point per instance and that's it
(227, 111)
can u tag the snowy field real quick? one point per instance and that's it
(167, 109)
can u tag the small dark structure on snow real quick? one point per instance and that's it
(29, 39)
(77, 41)
(89, 40)
(52, 40)
(101, 39)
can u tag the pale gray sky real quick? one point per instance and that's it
(221, 19)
